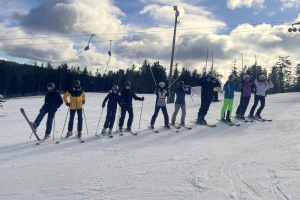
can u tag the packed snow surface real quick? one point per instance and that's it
(258, 160)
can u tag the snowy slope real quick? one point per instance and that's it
(259, 160)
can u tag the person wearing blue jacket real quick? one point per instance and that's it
(181, 90)
(229, 88)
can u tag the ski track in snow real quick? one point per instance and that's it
(258, 160)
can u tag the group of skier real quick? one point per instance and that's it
(75, 99)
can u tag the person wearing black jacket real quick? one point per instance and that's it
(53, 101)
(125, 101)
(161, 94)
(207, 88)
(112, 99)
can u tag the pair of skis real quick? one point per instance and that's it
(164, 127)
(260, 119)
(207, 125)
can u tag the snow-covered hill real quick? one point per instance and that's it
(259, 160)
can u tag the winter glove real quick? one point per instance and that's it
(143, 98)
(103, 105)
(83, 102)
(68, 104)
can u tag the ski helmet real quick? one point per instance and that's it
(246, 76)
(76, 82)
(230, 77)
(50, 87)
(262, 78)
(208, 77)
(181, 83)
(161, 84)
(127, 85)
(115, 87)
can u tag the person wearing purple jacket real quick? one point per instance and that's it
(245, 97)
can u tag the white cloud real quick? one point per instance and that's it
(233, 4)
(67, 17)
(290, 4)
(3, 59)
(256, 13)
(270, 14)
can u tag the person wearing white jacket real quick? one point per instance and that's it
(261, 88)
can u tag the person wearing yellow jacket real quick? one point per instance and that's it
(77, 100)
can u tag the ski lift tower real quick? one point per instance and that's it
(172, 55)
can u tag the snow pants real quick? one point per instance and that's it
(262, 100)
(227, 105)
(183, 109)
(71, 121)
(110, 118)
(124, 109)
(244, 102)
(216, 96)
(165, 113)
(205, 104)
(50, 118)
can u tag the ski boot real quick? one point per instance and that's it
(182, 124)
(110, 131)
(173, 123)
(239, 116)
(103, 131)
(204, 121)
(69, 134)
(257, 116)
(33, 125)
(228, 120)
(46, 136)
(79, 134)
(228, 117)
(167, 126)
(120, 129)
(243, 117)
(152, 126)
(128, 128)
(223, 120)
(199, 120)
(250, 116)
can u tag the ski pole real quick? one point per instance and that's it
(118, 118)
(85, 121)
(65, 123)
(99, 122)
(30, 136)
(141, 115)
(195, 91)
(54, 127)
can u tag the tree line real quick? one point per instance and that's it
(20, 79)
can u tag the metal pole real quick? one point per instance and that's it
(65, 123)
(141, 115)
(99, 122)
(173, 47)
(153, 76)
(85, 121)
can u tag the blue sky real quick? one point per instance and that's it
(74, 17)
